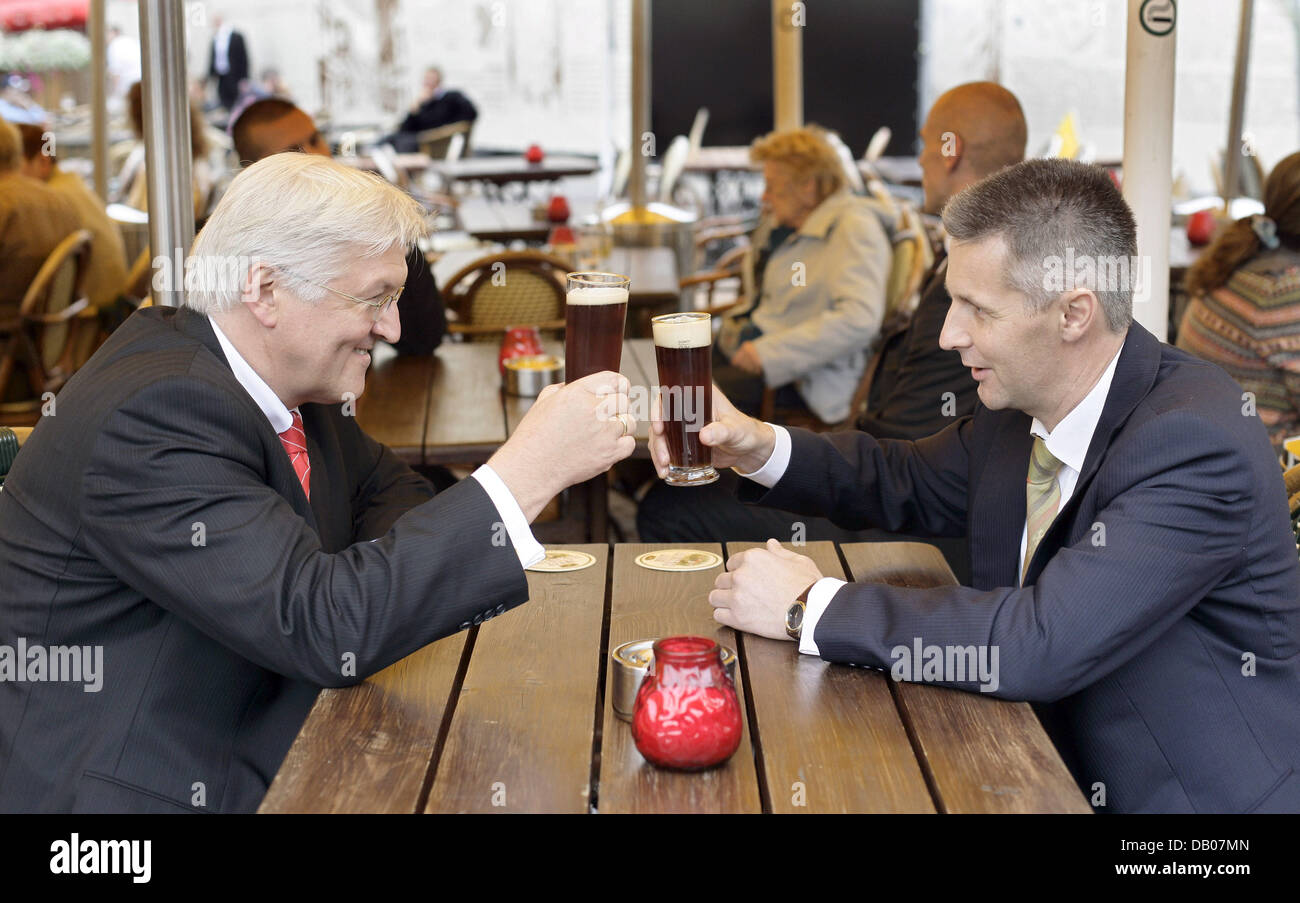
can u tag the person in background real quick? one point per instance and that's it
(206, 511)
(1128, 525)
(34, 219)
(123, 62)
(1244, 313)
(823, 294)
(273, 126)
(228, 62)
(972, 131)
(134, 186)
(435, 107)
(107, 273)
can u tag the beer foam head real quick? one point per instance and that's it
(683, 331)
(601, 294)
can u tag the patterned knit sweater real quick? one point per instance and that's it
(1250, 326)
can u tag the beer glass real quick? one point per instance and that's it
(683, 351)
(594, 311)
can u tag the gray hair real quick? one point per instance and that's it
(308, 214)
(1066, 226)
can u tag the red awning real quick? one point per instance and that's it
(20, 15)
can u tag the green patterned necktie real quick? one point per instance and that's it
(1042, 497)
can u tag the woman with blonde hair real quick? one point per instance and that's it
(1245, 309)
(823, 290)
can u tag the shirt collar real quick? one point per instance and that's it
(1069, 442)
(280, 416)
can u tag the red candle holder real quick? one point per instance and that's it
(687, 715)
(519, 341)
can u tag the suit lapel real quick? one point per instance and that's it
(998, 506)
(1135, 374)
(281, 474)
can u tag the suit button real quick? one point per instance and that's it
(501, 608)
(478, 619)
(465, 625)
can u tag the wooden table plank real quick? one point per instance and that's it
(393, 408)
(644, 604)
(520, 739)
(465, 423)
(368, 748)
(982, 754)
(830, 735)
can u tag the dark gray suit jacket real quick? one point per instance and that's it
(1163, 649)
(157, 515)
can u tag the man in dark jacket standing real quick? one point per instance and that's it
(227, 62)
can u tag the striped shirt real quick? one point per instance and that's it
(1250, 326)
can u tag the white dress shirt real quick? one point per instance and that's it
(526, 546)
(221, 49)
(1068, 442)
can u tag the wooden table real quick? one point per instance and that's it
(507, 169)
(448, 408)
(514, 716)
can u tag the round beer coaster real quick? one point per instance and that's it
(563, 560)
(679, 560)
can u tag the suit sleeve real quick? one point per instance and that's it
(386, 489)
(931, 388)
(187, 519)
(1175, 523)
(859, 482)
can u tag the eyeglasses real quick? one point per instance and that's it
(377, 308)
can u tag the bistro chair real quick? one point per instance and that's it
(11, 439)
(40, 342)
(1292, 479)
(438, 142)
(510, 288)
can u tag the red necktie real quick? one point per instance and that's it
(295, 446)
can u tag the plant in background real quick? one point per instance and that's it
(44, 51)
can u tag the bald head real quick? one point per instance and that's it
(972, 131)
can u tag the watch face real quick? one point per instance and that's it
(794, 617)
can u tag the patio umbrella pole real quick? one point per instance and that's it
(1232, 150)
(1148, 155)
(787, 65)
(167, 137)
(640, 101)
(98, 99)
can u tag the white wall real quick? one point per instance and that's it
(1062, 55)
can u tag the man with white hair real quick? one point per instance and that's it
(205, 511)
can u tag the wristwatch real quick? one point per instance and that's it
(794, 614)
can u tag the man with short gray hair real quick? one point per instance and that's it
(1133, 564)
(203, 506)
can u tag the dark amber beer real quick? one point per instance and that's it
(683, 351)
(594, 311)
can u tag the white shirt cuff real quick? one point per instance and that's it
(770, 473)
(819, 597)
(528, 549)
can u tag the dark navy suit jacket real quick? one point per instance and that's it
(157, 515)
(1158, 630)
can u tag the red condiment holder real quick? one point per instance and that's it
(687, 715)
(557, 211)
(518, 342)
